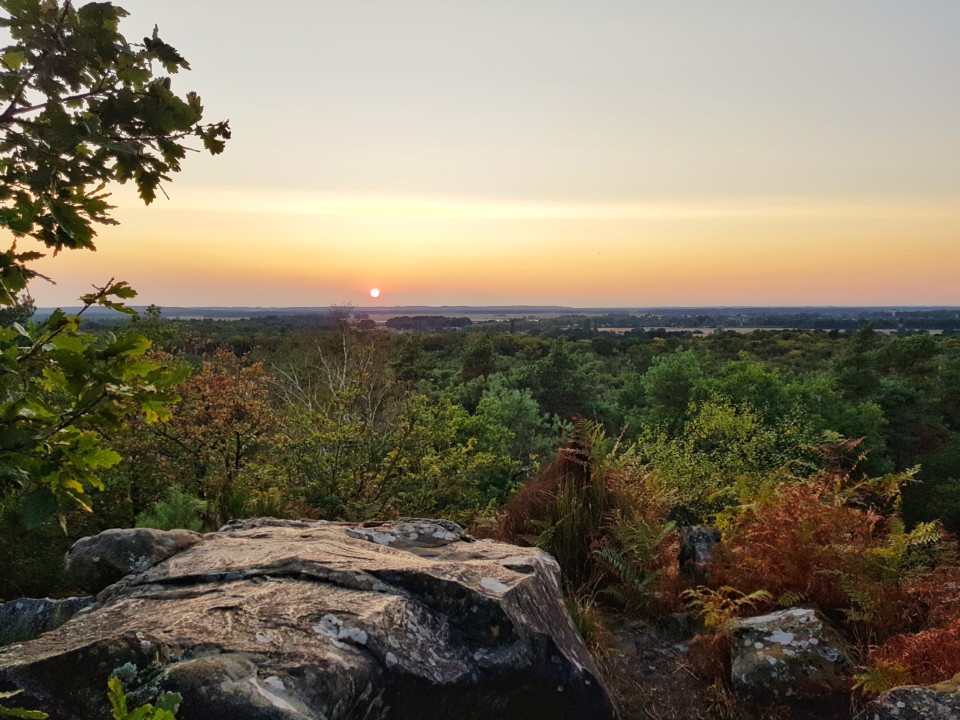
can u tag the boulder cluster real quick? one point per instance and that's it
(276, 620)
(299, 620)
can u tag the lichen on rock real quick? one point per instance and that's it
(788, 655)
(276, 620)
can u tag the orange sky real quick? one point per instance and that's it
(232, 249)
(584, 154)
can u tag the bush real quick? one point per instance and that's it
(835, 543)
(179, 510)
(839, 544)
(603, 517)
(929, 656)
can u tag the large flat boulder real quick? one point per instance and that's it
(276, 620)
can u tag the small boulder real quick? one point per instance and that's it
(696, 550)
(916, 702)
(95, 562)
(788, 656)
(26, 618)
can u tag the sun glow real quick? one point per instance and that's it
(375, 293)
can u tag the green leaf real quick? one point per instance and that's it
(123, 290)
(101, 458)
(117, 698)
(14, 59)
(21, 713)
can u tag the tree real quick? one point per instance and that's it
(564, 382)
(534, 434)
(668, 383)
(224, 421)
(479, 358)
(80, 107)
(20, 311)
(83, 107)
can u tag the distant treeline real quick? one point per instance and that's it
(825, 319)
(427, 323)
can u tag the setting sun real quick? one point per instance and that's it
(375, 293)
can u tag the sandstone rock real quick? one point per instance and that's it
(95, 562)
(696, 550)
(26, 618)
(275, 620)
(916, 702)
(788, 656)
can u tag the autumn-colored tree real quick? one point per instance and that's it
(223, 422)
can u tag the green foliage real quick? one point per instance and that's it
(893, 563)
(564, 382)
(534, 434)
(61, 389)
(880, 678)
(83, 107)
(723, 453)
(430, 458)
(19, 312)
(630, 552)
(668, 384)
(179, 509)
(22, 713)
(166, 707)
(719, 607)
(479, 358)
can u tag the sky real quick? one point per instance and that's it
(603, 153)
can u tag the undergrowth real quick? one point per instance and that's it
(837, 542)
(604, 517)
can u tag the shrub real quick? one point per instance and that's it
(839, 543)
(180, 509)
(930, 655)
(603, 516)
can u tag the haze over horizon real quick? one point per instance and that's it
(610, 154)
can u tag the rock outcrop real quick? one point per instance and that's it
(789, 656)
(100, 560)
(284, 620)
(696, 550)
(916, 702)
(27, 618)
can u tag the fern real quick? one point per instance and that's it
(629, 555)
(792, 598)
(178, 510)
(881, 678)
(719, 607)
